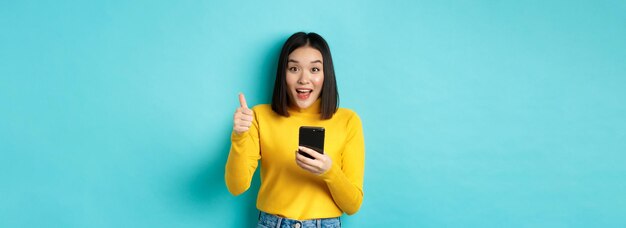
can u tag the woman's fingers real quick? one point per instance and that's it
(311, 152)
(306, 167)
(308, 164)
(245, 117)
(242, 101)
(318, 166)
(242, 123)
(242, 120)
(246, 111)
(308, 161)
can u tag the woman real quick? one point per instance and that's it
(297, 191)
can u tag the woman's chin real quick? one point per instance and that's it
(303, 104)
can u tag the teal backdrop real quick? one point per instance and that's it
(475, 113)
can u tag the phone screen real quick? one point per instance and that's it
(312, 137)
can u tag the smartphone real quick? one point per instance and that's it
(312, 137)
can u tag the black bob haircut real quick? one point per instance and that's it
(329, 95)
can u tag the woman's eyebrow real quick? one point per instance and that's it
(314, 61)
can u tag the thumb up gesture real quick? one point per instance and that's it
(243, 116)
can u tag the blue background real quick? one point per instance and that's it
(475, 113)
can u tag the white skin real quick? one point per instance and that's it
(305, 73)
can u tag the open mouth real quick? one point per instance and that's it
(304, 94)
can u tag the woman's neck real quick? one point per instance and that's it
(314, 108)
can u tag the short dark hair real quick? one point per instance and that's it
(329, 95)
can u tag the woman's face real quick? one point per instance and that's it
(305, 76)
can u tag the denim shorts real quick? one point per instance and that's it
(274, 221)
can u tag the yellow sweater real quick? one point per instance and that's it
(286, 189)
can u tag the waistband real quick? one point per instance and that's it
(270, 220)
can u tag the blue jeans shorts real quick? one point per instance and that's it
(274, 221)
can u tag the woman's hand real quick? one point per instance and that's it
(243, 116)
(319, 165)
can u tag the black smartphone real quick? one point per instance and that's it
(312, 137)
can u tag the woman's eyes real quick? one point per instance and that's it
(296, 69)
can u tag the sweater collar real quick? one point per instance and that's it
(313, 109)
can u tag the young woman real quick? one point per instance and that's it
(297, 191)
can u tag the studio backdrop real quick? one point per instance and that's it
(475, 113)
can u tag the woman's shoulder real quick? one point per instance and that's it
(262, 108)
(346, 113)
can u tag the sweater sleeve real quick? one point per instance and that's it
(243, 159)
(345, 177)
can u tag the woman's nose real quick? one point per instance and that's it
(304, 78)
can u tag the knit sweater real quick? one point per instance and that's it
(286, 189)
